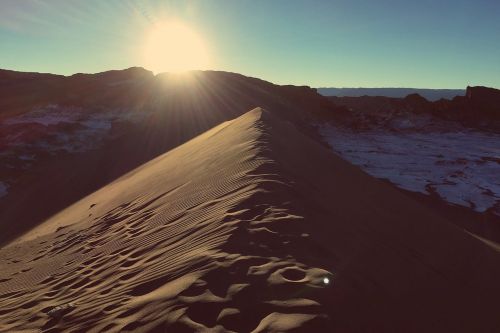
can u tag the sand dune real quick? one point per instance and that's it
(249, 227)
(88, 130)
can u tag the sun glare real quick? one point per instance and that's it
(174, 47)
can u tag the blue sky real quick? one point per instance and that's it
(341, 43)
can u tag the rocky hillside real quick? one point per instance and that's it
(480, 108)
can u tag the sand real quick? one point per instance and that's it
(249, 227)
(144, 119)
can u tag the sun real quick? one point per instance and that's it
(174, 47)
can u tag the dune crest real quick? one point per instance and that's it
(151, 249)
(249, 227)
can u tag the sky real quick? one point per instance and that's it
(336, 43)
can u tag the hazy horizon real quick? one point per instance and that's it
(342, 44)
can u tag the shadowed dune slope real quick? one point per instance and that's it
(250, 226)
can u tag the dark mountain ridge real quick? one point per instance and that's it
(479, 108)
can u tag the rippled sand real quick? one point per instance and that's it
(250, 226)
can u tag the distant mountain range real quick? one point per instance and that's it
(429, 94)
(479, 108)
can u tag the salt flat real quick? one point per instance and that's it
(461, 166)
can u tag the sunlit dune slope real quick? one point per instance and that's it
(168, 110)
(251, 226)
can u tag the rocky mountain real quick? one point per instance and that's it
(480, 108)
